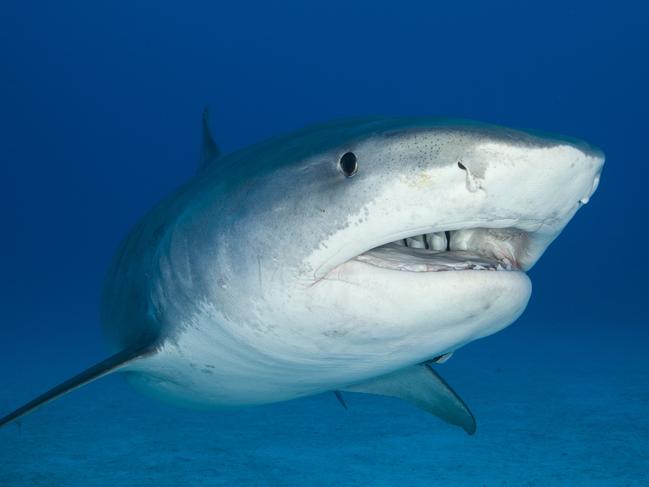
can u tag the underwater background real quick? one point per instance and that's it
(100, 106)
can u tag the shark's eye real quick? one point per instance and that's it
(348, 164)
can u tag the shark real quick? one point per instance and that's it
(353, 255)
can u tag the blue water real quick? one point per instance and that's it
(100, 105)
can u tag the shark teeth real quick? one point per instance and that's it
(436, 241)
(418, 242)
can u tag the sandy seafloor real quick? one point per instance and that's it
(555, 406)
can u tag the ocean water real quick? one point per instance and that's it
(100, 107)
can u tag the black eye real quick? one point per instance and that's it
(348, 164)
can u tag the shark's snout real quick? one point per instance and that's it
(536, 190)
(588, 163)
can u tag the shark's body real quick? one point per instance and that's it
(345, 256)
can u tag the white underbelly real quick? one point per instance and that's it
(216, 362)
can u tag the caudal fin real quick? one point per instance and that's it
(105, 367)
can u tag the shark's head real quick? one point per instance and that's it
(373, 244)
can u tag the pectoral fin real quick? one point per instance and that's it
(111, 364)
(423, 387)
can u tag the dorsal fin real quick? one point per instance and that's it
(209, 149)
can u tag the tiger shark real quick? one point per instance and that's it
(348, 256)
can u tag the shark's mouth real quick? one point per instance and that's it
(485, 249)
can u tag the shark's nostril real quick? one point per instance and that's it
(461, 166)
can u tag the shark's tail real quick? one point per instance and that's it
(105, 367)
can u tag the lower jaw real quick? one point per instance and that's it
(419, 315)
